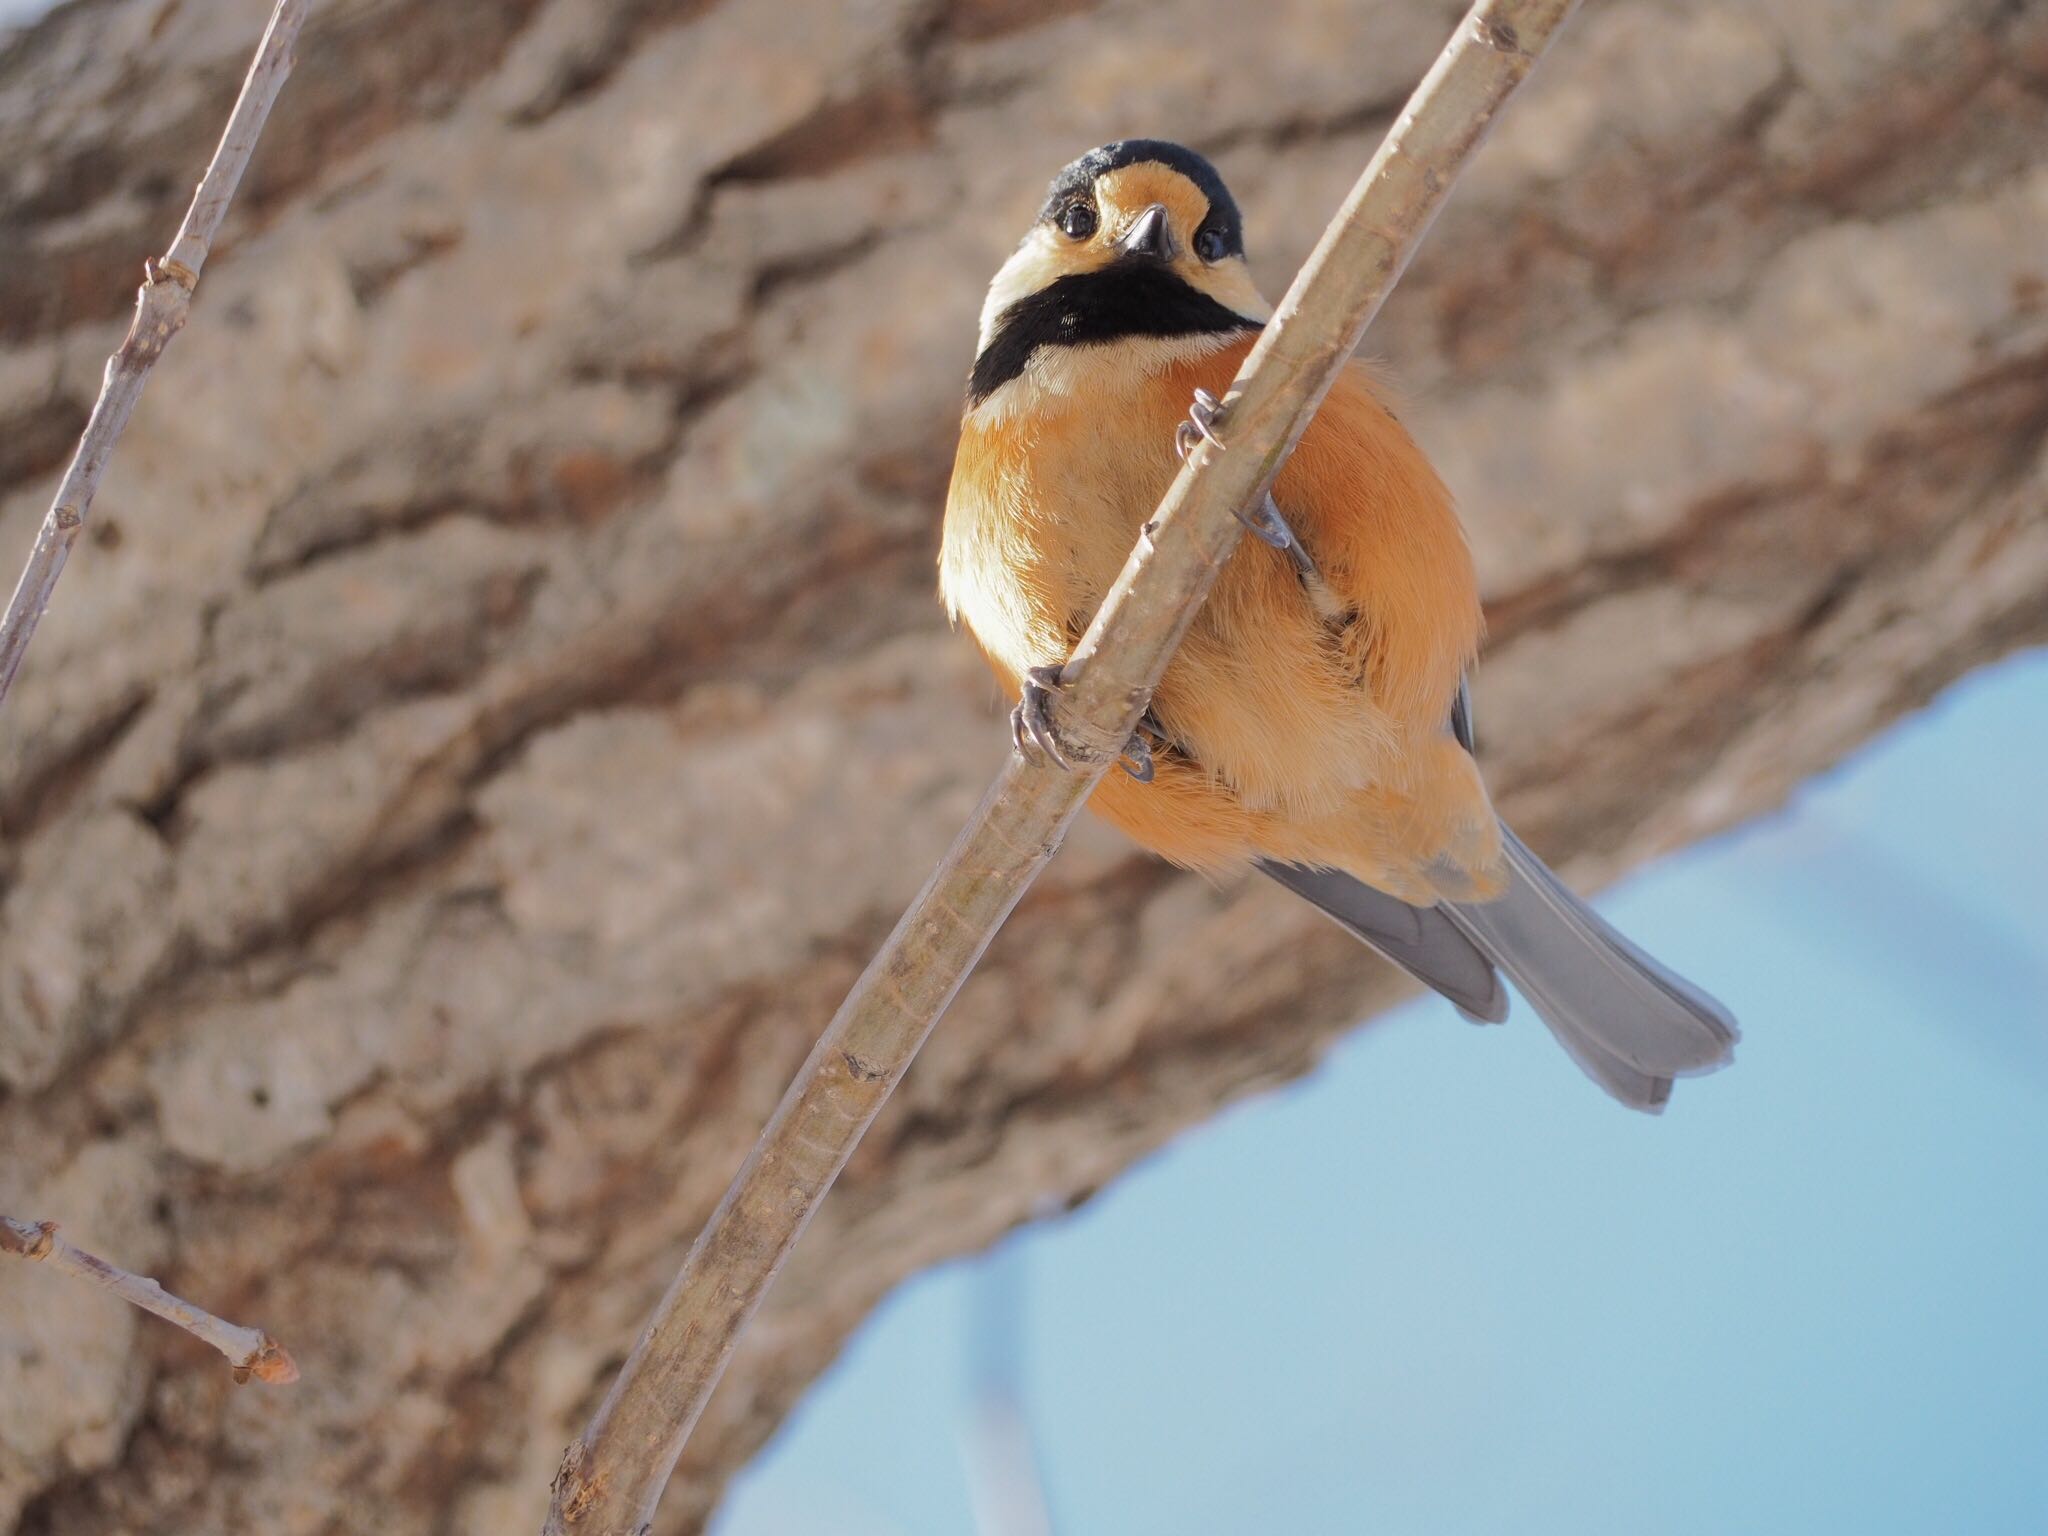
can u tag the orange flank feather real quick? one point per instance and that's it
(1304, 731)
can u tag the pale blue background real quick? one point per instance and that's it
(1443, 1286)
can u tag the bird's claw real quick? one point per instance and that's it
(1200, 425)
(1032, 728)
(1137, 758)
(1269, 527)
(1267, 523)
(1031, 721)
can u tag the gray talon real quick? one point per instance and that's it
(1137, 758)
(1266, 524)
(1033, 716)
(1201, 424)
(1269, 526)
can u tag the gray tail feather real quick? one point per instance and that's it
(1629, 1023)
(1423, 941)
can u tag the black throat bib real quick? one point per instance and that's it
(1127, 298)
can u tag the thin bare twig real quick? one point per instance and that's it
(251, 1351)
(611, 1479)
(161, 305)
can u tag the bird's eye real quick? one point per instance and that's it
(1078, 221)
(1209, 245)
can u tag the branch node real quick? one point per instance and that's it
(158, 268)
(271, 1363)
(866, 1071)
(1082, 739)
(1499, 35)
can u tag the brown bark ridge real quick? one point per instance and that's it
(500, 700)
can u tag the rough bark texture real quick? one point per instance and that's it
(501, 701)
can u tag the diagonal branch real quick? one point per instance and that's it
(251, 1351)
(611, 1479)
(161, 306)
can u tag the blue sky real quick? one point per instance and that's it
(1443, 1286)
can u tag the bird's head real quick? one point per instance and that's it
(1138, 241)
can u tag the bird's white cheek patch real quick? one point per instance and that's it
(1035, 265)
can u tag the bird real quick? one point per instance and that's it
(1315, 723)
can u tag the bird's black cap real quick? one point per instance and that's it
(1079, 178)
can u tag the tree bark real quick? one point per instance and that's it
(500, 700)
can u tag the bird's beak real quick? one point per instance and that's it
(1150, 237)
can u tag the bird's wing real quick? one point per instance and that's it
(1385, 536)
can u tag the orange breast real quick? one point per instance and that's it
(1302, 736)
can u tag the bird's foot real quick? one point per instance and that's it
(1031, 721)
(1150, 737)
(1137, 755)
(1200, 425)
(1269, 527)
(1033, 730)
(1266, 523)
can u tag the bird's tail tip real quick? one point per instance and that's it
(1632, 1024)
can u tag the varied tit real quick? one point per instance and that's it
(1314, 723)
